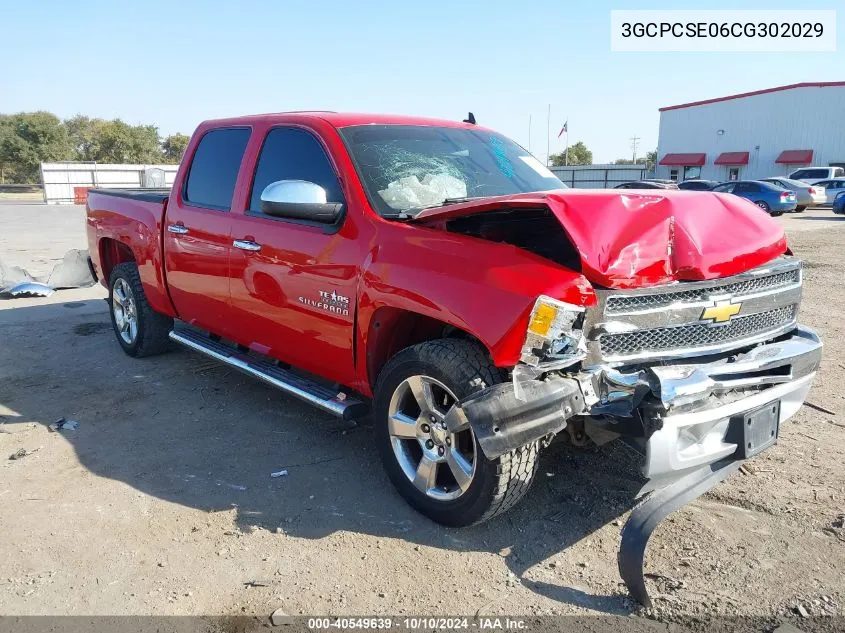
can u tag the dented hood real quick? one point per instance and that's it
(629, 239)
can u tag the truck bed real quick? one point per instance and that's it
(147, 195)
(116, 214)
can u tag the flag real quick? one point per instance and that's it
(563, 129)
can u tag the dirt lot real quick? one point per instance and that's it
(161, 502)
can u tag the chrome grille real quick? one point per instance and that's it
(697, 335)
(620, 304)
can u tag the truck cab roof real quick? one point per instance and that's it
(336, 119)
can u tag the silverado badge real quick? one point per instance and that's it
(721, 311)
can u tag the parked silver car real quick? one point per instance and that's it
(832, 188)
(808, 195)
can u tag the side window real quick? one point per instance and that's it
(798, 175)
(214, 168)
(723, 188)
(838, 172)
(747, 187)
(293, 154)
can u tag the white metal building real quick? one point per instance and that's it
(754, 135)
(66, 182)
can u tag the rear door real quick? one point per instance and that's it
(748, 190)
(293, 294)
(198, 226)
(833, 188)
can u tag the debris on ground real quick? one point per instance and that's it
(257, 583)
(63, 424)
(818, 408)
(27, 289)
(279, 618)
(22, 453)
(802, 611)
(71, 272)
(279, 473)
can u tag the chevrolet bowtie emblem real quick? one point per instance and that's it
(721, 311)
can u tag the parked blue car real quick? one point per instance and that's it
(839, 203)
(771, 198)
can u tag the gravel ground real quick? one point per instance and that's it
(161, 502)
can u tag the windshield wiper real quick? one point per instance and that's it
(457, 200)
(407, 214)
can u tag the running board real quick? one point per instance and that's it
(321, 397)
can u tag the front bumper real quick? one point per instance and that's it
(686, 409)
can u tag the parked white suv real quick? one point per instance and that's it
(813, 175)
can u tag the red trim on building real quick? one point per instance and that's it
(822, 84)
(732, 158)
(684, 159)
(795, 157)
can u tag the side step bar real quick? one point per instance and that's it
(289, 382)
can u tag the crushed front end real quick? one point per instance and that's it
(697, 375)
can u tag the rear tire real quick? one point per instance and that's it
(140, 330)
(799, 209)
(762, 204)
(444, 370)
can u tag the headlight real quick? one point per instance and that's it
(554, 328)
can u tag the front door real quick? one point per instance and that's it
(293, 283)
(197, 237)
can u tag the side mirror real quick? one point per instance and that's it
(299, 199)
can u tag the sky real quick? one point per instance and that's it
(174, 64)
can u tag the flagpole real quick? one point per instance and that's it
(548, 137)
(566, 155)
(529, 133)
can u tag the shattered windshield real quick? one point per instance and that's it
(406, 168)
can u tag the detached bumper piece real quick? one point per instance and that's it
(502, 421)
(656, 507)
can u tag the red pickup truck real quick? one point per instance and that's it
(437, 273)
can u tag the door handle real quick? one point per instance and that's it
(246, 245)
(178, 229)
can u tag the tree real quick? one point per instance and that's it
(629, 161)
(28, 139)
(174, 146)
(651, 159)
(119, 142)
(84, 134)
(578, 155)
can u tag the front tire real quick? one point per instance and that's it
(443, 476)
(140, 330)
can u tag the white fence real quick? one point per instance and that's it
(62, 179)
(599, 176)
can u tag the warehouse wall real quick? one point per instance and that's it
(763, 125)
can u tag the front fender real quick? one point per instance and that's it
(486, 289)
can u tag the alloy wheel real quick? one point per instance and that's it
(440, 464)
(125, 311)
